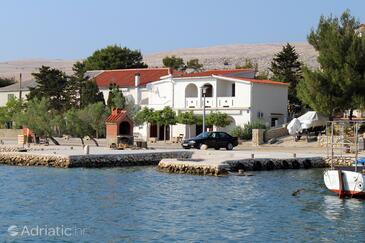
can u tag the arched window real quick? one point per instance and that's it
(208, 90)
(191, 91)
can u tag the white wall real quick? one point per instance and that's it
(269, 98)
(4, 96)
(243, 94)
(160, 94)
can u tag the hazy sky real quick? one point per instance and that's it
(71, 29)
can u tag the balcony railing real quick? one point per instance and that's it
(191, 102)
(226, 101)
(220, 102)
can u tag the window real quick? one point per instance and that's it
(233, 90)
(224, 135)
(260, 114)
(10, 96)
(274, 121)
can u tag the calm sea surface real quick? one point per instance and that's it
(143, 205)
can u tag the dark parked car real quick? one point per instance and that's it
(215, 140)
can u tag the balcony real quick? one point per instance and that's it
(226, 102)
(211, 102)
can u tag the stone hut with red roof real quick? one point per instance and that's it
(119, 127)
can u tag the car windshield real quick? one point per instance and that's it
(203, 135)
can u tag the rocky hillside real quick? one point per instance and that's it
(225, 56)
(228, 56)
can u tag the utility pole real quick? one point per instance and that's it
(20, 86)
(204, 90)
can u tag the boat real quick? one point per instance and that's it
(345, 181)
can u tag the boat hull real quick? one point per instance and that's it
(345, 183)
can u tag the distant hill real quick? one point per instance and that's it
(215, 57)
(231, 55)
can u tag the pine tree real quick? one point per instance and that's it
(116, 98)
(339, 84)
(174, 62)
(51, 85)
(286, 67)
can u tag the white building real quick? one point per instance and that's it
(15, 91)
(234, 92)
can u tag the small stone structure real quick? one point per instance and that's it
(119, 127)
(257, 136)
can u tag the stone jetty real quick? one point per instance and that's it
(128, 158)
(222, 166)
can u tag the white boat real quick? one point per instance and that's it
(345, 182)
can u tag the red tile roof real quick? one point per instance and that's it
(259, 81)
(117, 115)
(212, 72)
(126, 77)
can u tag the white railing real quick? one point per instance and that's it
(191, 102)
(209, 102)
(212, 102)
(226, 101)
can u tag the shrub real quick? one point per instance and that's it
(245, 132)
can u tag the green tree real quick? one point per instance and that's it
(187, 118)
(114, 57)
(7, 112)
(116, 98)
(263, 75)
(90, 94)
(218, 119)
(39, 117)
(174, 62)
(286, 67)
(249, 64)
(81, 90)
(165, 117)
(75, 125)
(51, 85)
(145, 115)
(339, 83)
(195, 65)
(95, 115)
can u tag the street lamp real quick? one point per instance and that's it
(204, 91)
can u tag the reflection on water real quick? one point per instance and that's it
(141, 204)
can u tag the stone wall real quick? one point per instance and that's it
(23, 159)
(10, 133)
(90, 161)
(276, 133)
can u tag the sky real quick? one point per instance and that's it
(74, 29)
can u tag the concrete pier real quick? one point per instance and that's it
(217, 165)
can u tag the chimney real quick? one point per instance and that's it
(137, 82)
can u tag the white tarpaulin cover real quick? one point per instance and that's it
(308, 120)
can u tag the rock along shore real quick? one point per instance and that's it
(90, 161)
